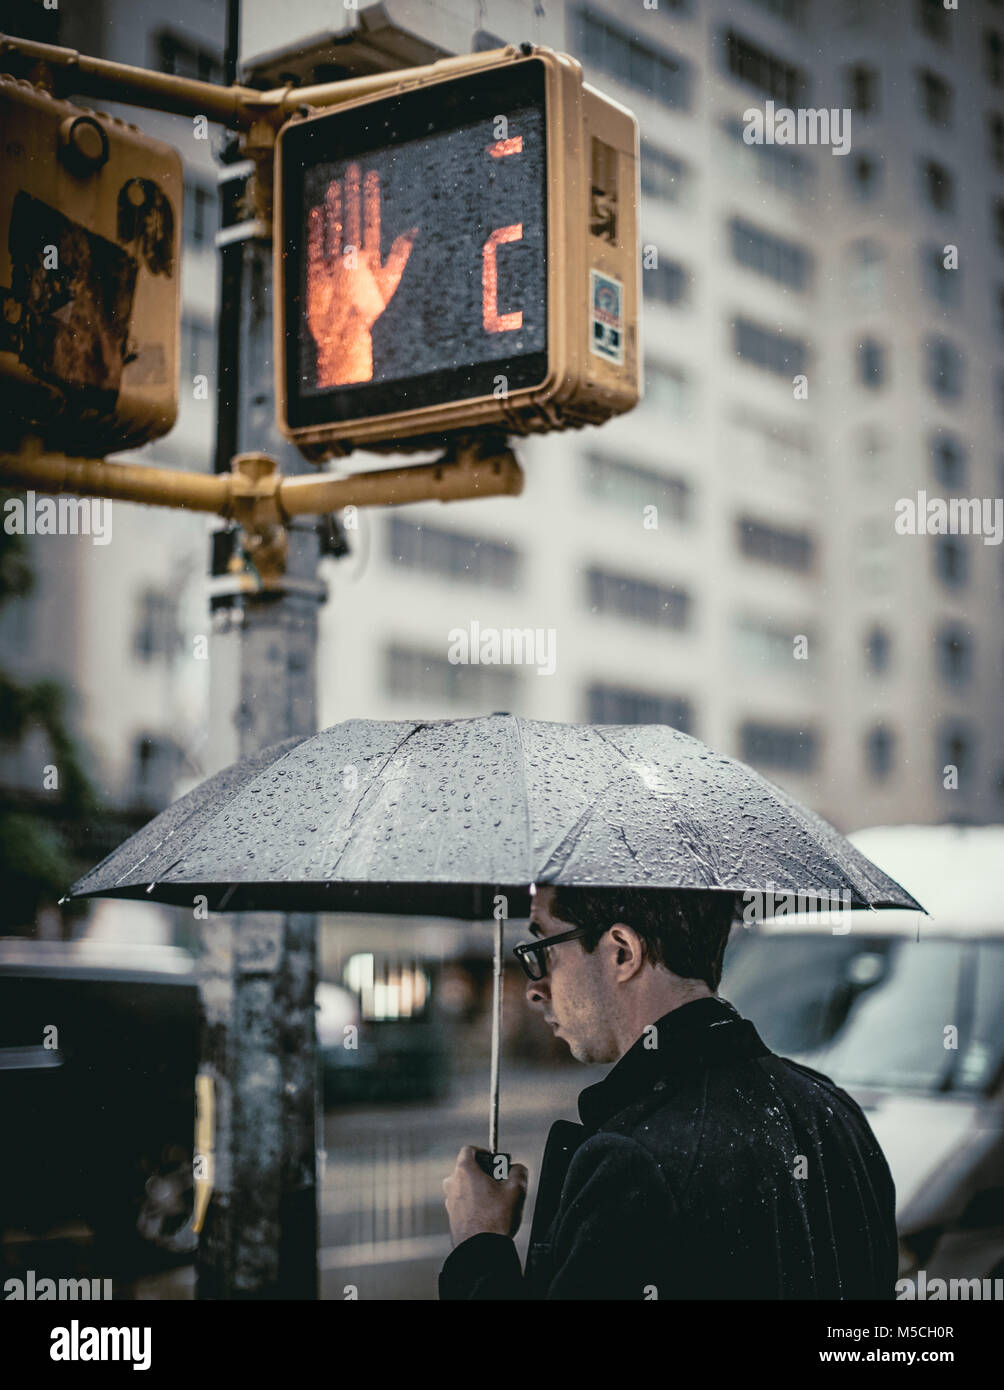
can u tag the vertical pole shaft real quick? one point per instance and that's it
(259, 1240)
(496, 1062)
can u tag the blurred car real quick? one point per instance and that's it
(380, 1036)
(98, 1053)
(906, 1012)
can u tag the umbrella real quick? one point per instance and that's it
(442, 817)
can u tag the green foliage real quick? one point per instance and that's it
(36, 857)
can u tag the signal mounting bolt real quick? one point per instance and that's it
(83, 144)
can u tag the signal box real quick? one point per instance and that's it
(461, 252)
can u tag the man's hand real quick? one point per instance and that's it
(477, 1203)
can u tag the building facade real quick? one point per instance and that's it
(823, 342)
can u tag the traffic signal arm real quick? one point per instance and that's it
(255, 494)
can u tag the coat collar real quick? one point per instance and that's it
(694, 1036)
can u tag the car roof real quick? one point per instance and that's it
(955, 871)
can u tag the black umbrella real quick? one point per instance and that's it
(441, 817)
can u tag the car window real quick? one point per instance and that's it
(876, 1011)
(895, 1032)
(982, 1057)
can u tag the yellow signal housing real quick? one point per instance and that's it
(459, 253)
(90, 243)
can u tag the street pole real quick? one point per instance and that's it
(259, 974)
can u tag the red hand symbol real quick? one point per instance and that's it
(347, 287)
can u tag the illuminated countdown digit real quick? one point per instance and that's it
(495, 322)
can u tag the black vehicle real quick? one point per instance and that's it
(99, 1049)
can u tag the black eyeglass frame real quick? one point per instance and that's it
(531, 954)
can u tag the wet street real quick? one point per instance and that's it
(384, 1231)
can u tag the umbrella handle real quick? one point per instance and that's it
(487, 1161)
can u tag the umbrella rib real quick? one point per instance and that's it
(526, 794)
(186, 823)
(568, 841)
(358, 806)
(686, 828)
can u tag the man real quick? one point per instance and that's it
(705, 1165)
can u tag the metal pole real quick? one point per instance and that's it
(496, 1063)
(259, 984)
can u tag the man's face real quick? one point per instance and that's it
(576, 994)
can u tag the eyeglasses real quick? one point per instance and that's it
(532, 954)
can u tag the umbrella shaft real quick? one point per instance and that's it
(493, 1102)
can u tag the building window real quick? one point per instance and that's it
(760, 643)
(637, 600)
(872, 448)
(862, 89)
(178, 55)
(948, 461)
(938, 185)
(747, 62)
(773, 256)
(998, 218)
(667, 282)
(993, 57)
(941, 283)
(156, 633)
(865, 174)
(633, 486)
(791, 11)
(944, 368)
(794, 550)
(955, 655)
(995, 138)
(880, 744)
(951, 562)
(155, 765)
(935, 97)
(867, 271)
(414, 674)
(200, 214)
(955, 746)
(878, 650)
(933, 20)
(616, 50)
(616, 704)
(758, 444)
(778, 166)
(453, 554)
(197, 343)
(871, 359)
(769, 349)
(663, 175)
(780, 746)
(667, 387)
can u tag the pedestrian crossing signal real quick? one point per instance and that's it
(90, 239)
(460, 252)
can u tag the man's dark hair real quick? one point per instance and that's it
(686, 930)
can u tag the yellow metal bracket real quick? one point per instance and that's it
(260, 499)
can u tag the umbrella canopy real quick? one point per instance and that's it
(438, 817)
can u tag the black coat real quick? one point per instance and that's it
(705, 1167)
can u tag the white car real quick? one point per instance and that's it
(906, 1012)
